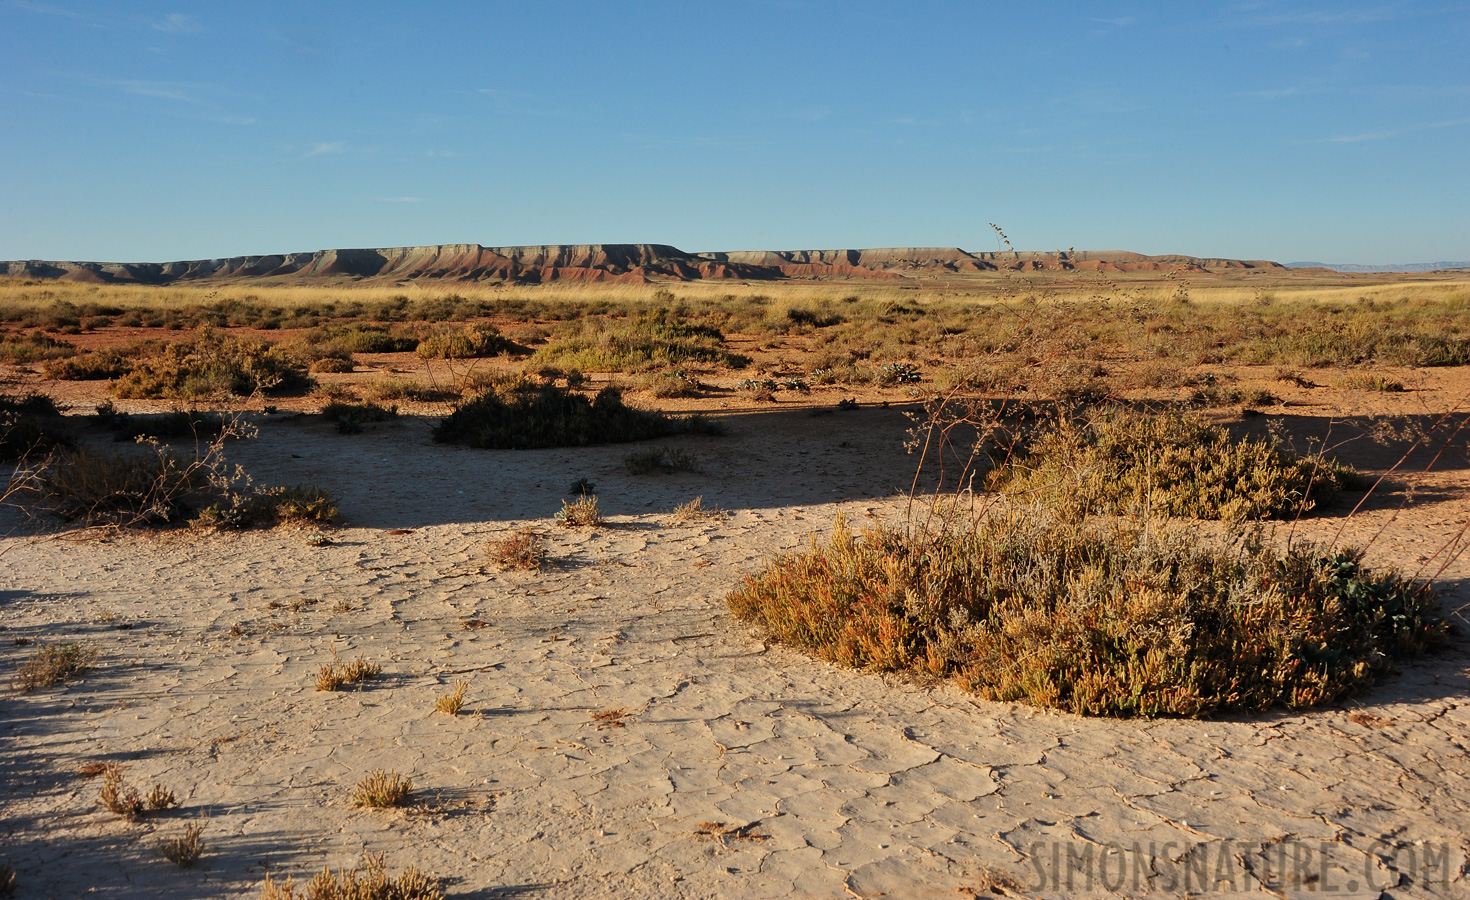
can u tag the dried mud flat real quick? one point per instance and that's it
(736, 770)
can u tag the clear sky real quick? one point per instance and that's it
(145, 131)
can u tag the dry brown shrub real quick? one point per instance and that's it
(183, 850)
(118, 796)
(453, 702)
(52, 664)
(523, 549)
(382, 789)
(371, 882)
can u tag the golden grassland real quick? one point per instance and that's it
(17, 294)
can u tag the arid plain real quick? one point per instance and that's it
(620, 733)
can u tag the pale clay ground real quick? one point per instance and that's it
(853, 785)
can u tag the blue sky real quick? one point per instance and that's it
(1288, 131)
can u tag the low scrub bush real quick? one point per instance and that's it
(97, 366)
(639, 345)
(32, 348)
(667, 385)
(129, 427)
(1096, 617)
(29, 426)
(371, 882)
(381, 389)
(527, 415)
(350, 417)
(1121, 462)
(268, 507)
(660, 459)
(339, 365)
(211, 365)
(147, 484)
(467, 342)
(53, 664)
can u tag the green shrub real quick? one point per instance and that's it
(269, 507)
(666, 385)
(129, 427)
(359, 412)
(525, 415)
(210, 364)
(601, 345)
(30, 425)
(660, 459)
(1098, 618)
(98, 366)
(35, 347)
(469, 342)
(1121, 462)
(127, 485)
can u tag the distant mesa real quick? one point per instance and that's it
(613, 263)
(1399, 267)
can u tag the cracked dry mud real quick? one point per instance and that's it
(738, 769)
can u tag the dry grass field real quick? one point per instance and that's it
(1024, 585)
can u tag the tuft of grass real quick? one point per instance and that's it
(118, 796)
(336, 675)
(451, 703)
(1095, 617)
(1365, 382)
(660, 459)
(382, 789)
(674, 383)
(1118, 462)
(53, 664)
(525, 416)
(467, 342)
(371, 882)
(524, 549)
(183, 851)
(405, 389)
(694, 511)
(8, 882)
(582, 512)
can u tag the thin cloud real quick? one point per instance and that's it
(1359, 138)
(402, 199)
(327, 147)
(164, 90)
(48, 9)
(178, 23)
(1120, 21)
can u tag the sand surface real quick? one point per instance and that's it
(824, 783)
